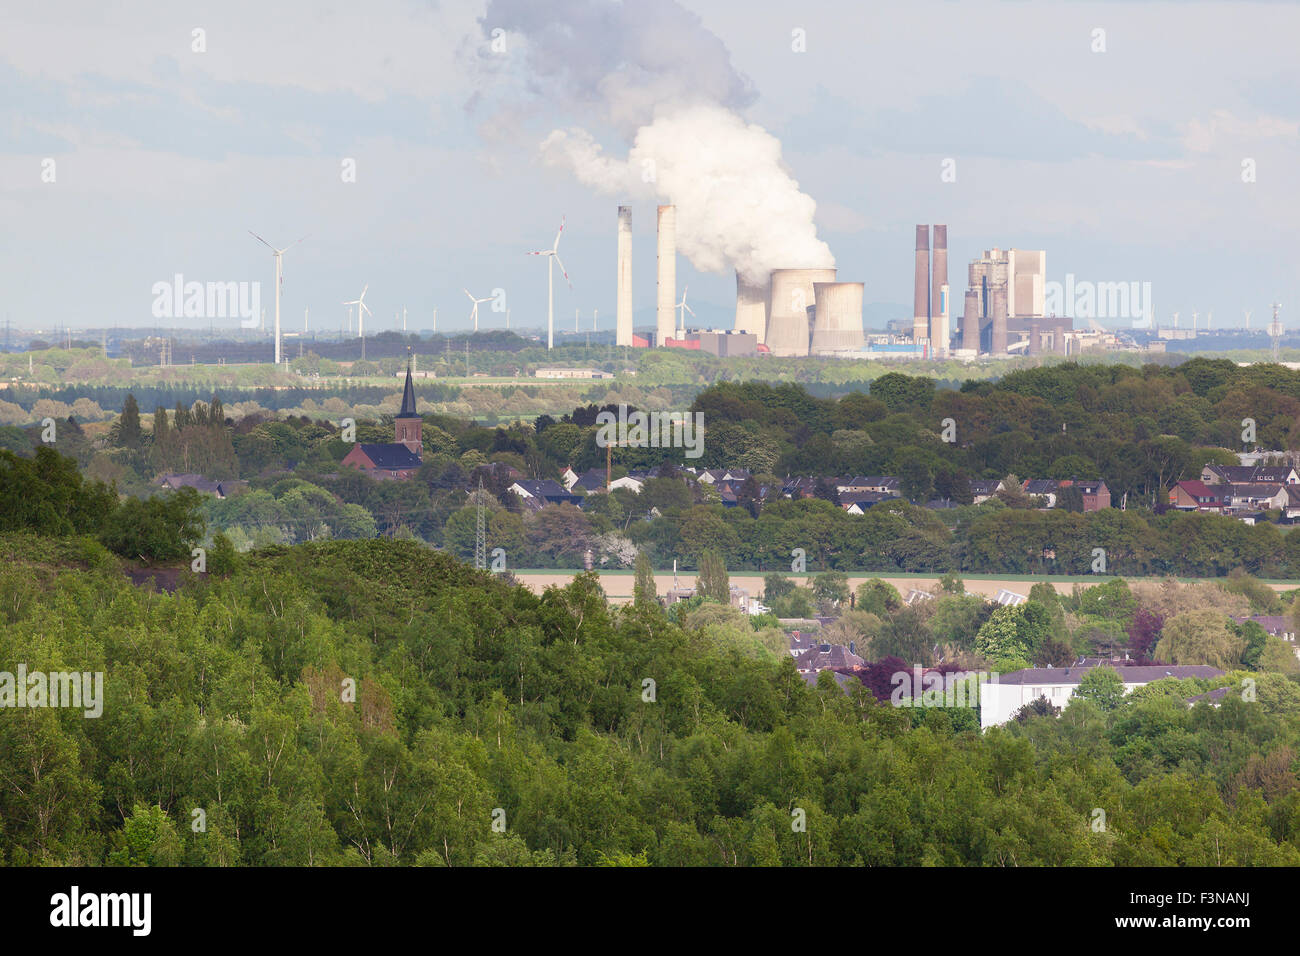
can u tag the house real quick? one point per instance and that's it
(1004, 694)
(1044, 488)
(1291, 510)
(801, 487)
(1257, 496)
(544, 491)
(821, 657)
(572, 373)
(401, 458)
(1275, 625)
(1249, 474)
(857, 502)
(208, 486)
(885, 484)
(1095, 493)
(916, 596)
(714, 475)
(1009, 598)
(982, 490)
(1197, 496)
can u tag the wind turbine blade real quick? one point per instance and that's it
(543, 252)
(555, 245)
(471, 298)
(367, 308)
(261, 240)
(561, 265)
(689, 309)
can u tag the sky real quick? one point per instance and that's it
(1117, 136)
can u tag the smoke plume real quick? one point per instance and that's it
(652, 72)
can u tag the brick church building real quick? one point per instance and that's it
(401, 458)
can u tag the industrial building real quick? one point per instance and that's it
(1005, 304)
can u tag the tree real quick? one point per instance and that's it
(129, 433)
(1200, 637)
(775, 585)
(162, 528)
(951, 584)
(830, 590)
(712, 582)
(1039, 707)
(643, 590)
(1144, 633)
(878, 597)
(1103, 686)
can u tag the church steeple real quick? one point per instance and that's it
(408, 424)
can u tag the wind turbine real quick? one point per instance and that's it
(553, 256)
(362, 309)
(279, 281)
(474, 312)
(682, 309)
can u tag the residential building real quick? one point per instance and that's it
(1198, 496)
(221, 488)
(1002, 696)
(544, 491)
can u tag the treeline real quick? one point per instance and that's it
(46, 495)
(374, 703)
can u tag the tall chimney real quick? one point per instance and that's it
(1035, 339)
(970, 322)
(998, 340)
(623, 325)
(921, 308)
(938, 279)
(940, 332)
(666, 303)
(751, 307)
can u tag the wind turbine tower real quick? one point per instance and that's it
(362, 309)
(1275, 329)
(474, 312)
(552, 256)
(279, 281)
(682, 309)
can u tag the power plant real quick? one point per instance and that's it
(807, 311)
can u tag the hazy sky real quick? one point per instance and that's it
(1125, 165)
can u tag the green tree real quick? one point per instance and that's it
(129, 432)
(644, 592)
(712, 582)
(1103, 686)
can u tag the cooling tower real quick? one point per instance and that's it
(666, 304)
(792, 295)
(970, 322)
(623, 325)
(921, 299)
(938, 279)
(751, 308)
(837, 320)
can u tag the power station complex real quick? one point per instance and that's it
(803, 311)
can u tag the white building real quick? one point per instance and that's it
(1002, 696)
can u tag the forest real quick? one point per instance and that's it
(376, 703)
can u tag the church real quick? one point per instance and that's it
(401, 458)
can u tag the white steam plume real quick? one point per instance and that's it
(653, 68)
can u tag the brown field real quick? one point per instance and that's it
(618, 586)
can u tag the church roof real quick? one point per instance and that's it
(408, 396)
(391, 457)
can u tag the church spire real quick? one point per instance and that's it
(408, 393)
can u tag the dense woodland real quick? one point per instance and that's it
(479, 701)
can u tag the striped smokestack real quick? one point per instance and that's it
(623, 324)
(921, 309)
(938, 279)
